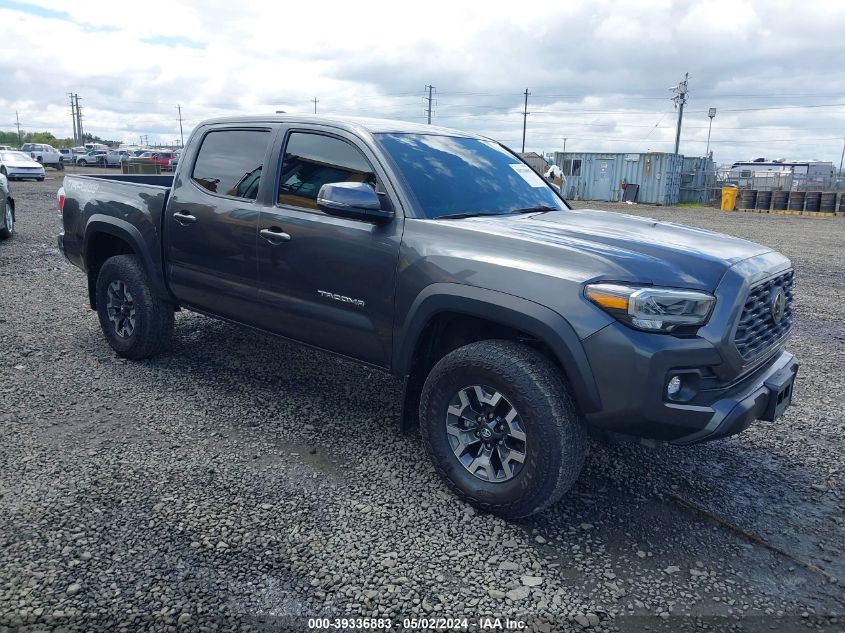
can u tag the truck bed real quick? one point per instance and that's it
(130, 205)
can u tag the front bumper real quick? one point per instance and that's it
(18, 173)
(632, 368)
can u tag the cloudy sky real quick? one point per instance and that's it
(599, 72)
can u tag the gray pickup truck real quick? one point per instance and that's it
(516, 323)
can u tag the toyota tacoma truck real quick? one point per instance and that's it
(516, 323)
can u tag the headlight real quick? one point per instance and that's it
(650, 308)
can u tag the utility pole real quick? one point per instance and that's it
(18, 122)
(525, 119)
(428, 109)
(711, 113)
(79, 120)
(181, 133)
(76, 130)
(842, 157)
(564, 144)
(315, 104)
(680, 99)
(73, 118)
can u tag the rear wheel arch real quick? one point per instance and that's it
(107, 237)
(448, 316)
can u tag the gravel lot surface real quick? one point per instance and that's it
(239, 481)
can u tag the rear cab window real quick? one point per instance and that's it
(230, 162)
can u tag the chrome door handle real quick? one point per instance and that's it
(184, 218)
(274, 235)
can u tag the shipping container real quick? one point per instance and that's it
(601, 175)
(698, 180)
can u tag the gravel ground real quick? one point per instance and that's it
(242, 482)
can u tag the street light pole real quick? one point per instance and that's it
(711, 113)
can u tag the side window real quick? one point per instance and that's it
(229, 162)
(576, 167)
(313, 160)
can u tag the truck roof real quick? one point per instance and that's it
(371, 125)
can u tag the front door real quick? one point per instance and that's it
(324, 280)
(211, 222)
(603, 182)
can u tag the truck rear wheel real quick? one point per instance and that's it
(136, 323)
(501, 429)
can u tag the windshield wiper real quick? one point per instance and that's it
(471, 214)
(540, 209)
(476, 214)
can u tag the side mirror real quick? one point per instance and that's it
(355, 200)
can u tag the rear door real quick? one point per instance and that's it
(328, 281)
(211, 220)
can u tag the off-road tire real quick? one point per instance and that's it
(153, 318)
(82, 163)
(556, 444)
(60, 166)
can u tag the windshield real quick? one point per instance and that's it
(13, 156)
(451, 175)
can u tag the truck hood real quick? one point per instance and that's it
(620, 247)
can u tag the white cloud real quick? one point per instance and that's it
(598, 70)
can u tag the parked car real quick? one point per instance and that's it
(70, 155)
(95, 157)
(45, 154)
(174, 162)
(115, 157)
(7, 209)
(18, 166)
(8, 148)
(514, 322)
(130, 154)
(160, 157)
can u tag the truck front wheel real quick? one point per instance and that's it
(136, 323)
(501, 429)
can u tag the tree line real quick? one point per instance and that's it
(12, 139)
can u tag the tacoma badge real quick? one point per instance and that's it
(330, 295)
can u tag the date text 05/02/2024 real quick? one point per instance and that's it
(411, 624)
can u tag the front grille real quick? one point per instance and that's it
(757, 330)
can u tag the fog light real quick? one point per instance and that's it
(674, 387)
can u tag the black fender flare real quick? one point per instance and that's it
(100, 223)
(540, 322)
